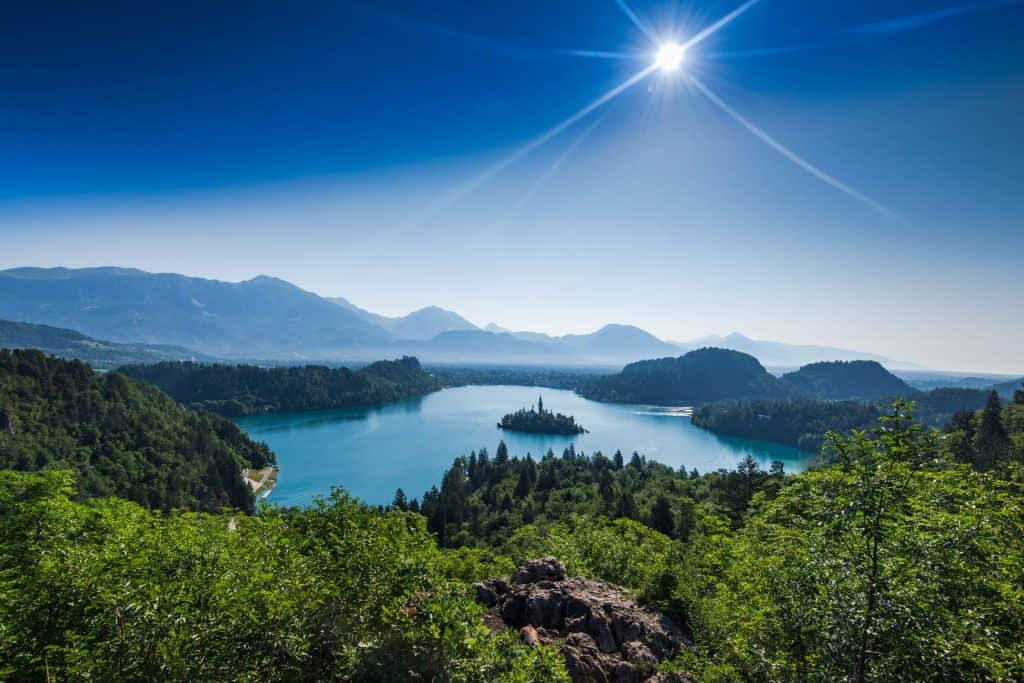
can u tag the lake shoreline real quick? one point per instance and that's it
(372, 451)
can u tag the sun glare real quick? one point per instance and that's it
(669, 57)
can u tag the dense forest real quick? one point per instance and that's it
(715, 375)
(236, 390)
(802, 577)
(804, 424)
(527, 376)
(121, 437)
(896, 562)
(485, 500)
(699, 376)
(842, 380)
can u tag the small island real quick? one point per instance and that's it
(540, 421)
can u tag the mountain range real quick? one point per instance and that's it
(271, 319)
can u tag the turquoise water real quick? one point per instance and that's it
(373, 451)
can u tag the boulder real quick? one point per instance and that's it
(535, 571)
(602, 632)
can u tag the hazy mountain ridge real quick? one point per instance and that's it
(261, 316)
(422, 324)
(271, 319)
(64, 343)
(779, 354)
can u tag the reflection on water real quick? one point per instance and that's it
(373, 451)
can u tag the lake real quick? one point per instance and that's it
(373, 451)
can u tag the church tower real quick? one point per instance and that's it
(540, 405)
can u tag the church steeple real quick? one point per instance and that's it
(540, 404)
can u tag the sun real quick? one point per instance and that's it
(669, 57)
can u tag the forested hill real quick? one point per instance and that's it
(123, 438)
(844, 380)
(707, 374)
(803, 423)
(236, 390)
(712, 374)
(63, 343)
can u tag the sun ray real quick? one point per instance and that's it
(464, 189)
(790, 155)
(755, 52)
(550, 171)
(636, 21)
(711, 30)
(601, 54)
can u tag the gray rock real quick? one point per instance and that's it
(583, 661)
(601, 631)
(486, 595)
(544, 569)
(625, 672)
(638, 653)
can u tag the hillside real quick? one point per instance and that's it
(803, 423)
(122, 437)
(69, 344)
(842, 380)
(1008, 390)
(697, 377)
(236, 390)
(261, 317)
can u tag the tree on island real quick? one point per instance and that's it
(540, 421)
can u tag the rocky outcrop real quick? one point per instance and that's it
(604, 635)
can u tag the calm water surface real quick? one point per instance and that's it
(373, 451)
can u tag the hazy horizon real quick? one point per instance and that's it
(348, 160)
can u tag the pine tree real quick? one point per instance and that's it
(662, 518)
(992, 439)
(748, 469)
(524, 485)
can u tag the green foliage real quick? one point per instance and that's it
(804, 424)
(527, 376)
(483, 501)
(699, 376)
(122, 438)
(892, 564)
(236, 390)
(621, 551)
(844, 380)
(109, 591)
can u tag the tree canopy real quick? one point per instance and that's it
(236, 390)
(122, 437)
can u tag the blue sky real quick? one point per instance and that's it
(315, 142)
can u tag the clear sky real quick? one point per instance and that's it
(335, 145)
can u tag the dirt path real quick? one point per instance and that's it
(256, 486)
